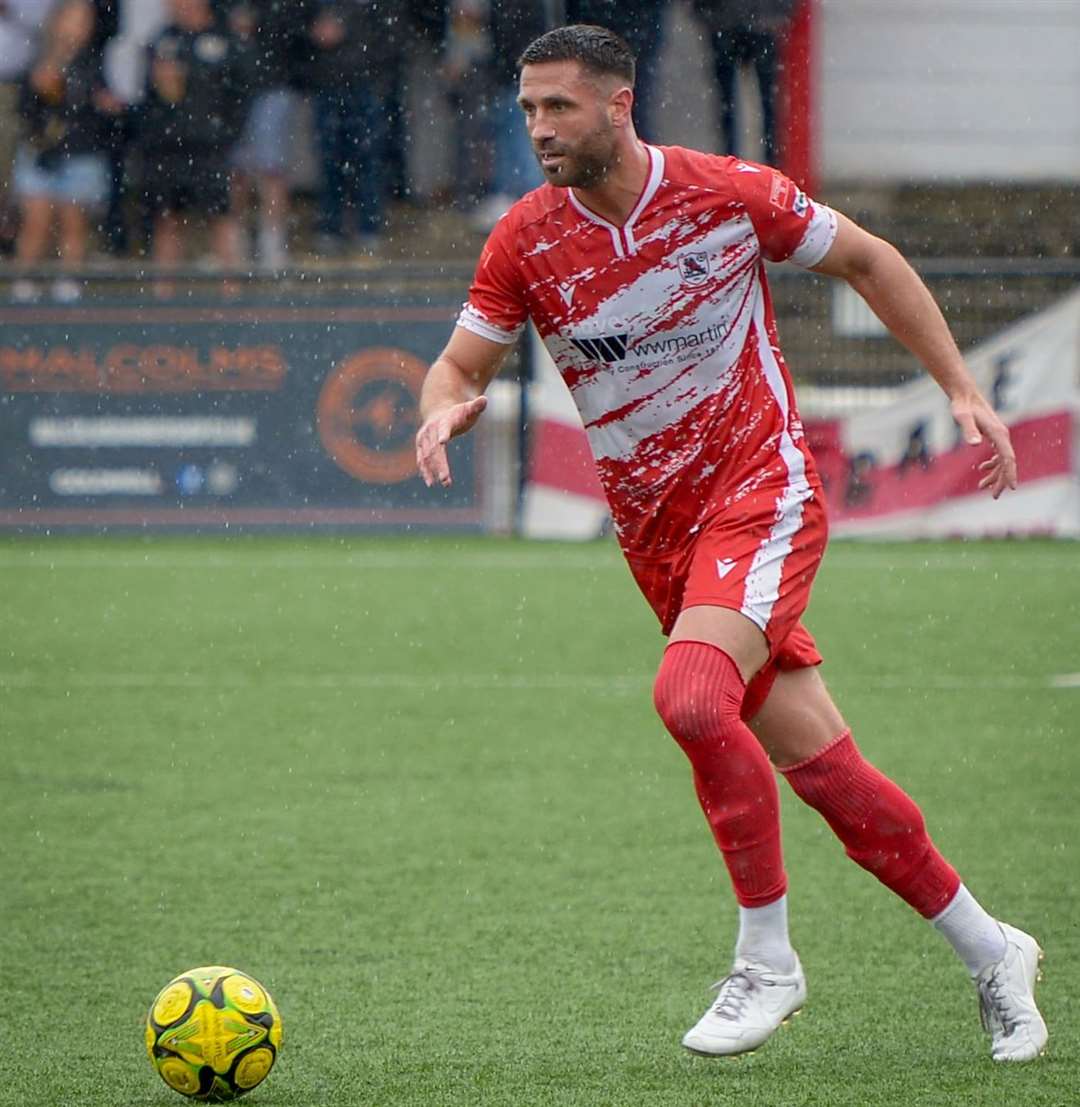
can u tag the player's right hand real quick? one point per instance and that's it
(432, 437)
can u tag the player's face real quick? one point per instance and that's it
(568, 118)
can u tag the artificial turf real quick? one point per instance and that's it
(417, 788)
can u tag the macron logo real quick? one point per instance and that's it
(566, 291)
(724, 565)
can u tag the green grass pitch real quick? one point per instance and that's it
(417, 788)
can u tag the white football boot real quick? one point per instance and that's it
(751, 1002)
(1007, 999)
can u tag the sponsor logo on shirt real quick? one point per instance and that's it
(802, 202)
(710, 337)
(607, 347)
(780, 192)
(619, 346)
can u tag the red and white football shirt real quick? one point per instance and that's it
(663, 331)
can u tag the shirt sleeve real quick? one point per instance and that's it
(789, 225)
(496, 308)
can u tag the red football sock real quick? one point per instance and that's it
(881, 827)
(698, 693)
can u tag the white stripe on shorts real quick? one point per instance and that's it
(766, 570)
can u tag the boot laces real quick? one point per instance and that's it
(995, 1010)
(733, 994)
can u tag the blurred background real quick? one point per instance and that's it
(234, 232)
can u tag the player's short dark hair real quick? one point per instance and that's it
(596, 49)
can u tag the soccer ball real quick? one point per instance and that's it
(213, 1033)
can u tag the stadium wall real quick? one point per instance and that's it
(948, 89)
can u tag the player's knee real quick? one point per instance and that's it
(697, 692)
(683, 710)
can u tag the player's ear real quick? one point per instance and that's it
(620, 106)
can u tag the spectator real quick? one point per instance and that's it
(465, 72)
(746, 32)
(106, 23)
(262, 158)
(189, 120)
(20, 24)
(127, 225)
(113, 229)
(512, 25)
(425, 29)
(641, 24)
(350, 54)
(60, 167)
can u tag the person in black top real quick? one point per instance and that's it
(641, 24)
(350, 56)
(197, 82)
(741, 33)
(512, 25)
(60, 167)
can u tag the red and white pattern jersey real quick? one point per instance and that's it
(663, 331)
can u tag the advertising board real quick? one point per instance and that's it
(223, 415)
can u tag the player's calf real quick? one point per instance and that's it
(880, 826)
(882, 829)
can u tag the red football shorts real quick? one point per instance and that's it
(754, 559)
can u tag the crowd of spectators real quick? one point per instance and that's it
(200, 131)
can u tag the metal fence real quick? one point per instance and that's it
(831, 340)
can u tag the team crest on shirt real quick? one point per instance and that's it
(694, 267)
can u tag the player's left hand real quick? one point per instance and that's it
(977, 420)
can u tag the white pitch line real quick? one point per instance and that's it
(949, 683)
(600, 557)
(530, 682)
(253, 562)
(389, 681)
(961, 563)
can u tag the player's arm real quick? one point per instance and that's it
(452, 398)
(897, 296)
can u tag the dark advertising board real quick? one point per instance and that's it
(275, 413)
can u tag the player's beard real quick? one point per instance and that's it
(585, 164)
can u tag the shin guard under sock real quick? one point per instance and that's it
(698, 694)
(880, 826)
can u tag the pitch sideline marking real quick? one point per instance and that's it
(16, 679)
(596, 558)
(254, 564)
